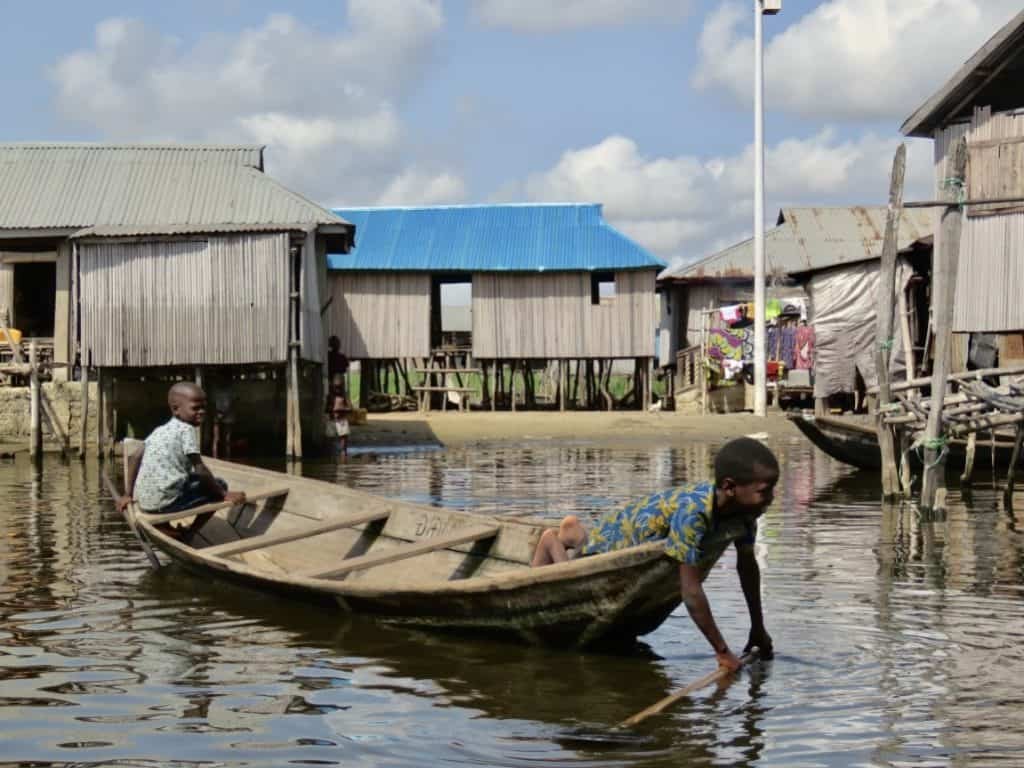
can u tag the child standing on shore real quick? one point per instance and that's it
(168, 473)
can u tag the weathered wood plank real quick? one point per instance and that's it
(272, 540)
(422, 547)
(214, 507)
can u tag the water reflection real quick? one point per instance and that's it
(899, 638)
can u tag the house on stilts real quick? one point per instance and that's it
(983, 102)
(558, 298)
(141, 264)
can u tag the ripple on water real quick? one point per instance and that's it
(899, 640)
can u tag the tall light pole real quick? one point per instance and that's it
(761, 7)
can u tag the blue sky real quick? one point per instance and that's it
(643, 105)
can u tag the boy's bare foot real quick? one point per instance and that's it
(571, 532)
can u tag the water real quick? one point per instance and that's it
(899, 642)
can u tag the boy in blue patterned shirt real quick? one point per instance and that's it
(168, 474)
(697, 522)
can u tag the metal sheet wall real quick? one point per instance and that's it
(380, 315)
(551, 316)
(990, 272)
(185, 302)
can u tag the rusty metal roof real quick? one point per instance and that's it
(146, 189)
(810, 239)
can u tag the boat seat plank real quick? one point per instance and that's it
(413, 549)
(215, 506)
(270, 540)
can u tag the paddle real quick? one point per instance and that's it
(112, 490)
(719, 674)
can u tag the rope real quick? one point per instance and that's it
(888, 407)
(953, 182)
(886, 345)
(940, 444)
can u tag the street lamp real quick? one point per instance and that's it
(761, 7)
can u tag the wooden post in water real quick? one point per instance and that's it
(886, 296)
(83, 375)
(1014, 458)
(101, 410)
(35, 445)
(944, 265)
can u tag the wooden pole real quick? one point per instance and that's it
(712, 677)
(83, 376)
(972, 444)
(101, 410)
(35, 445)
(886, 285)
(1012, 470)
(512, 386)
(943, 292)
(908, 341)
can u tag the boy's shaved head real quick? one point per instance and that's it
(183, 389)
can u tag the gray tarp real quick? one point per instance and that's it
(843, 312)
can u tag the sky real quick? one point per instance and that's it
(644, 106)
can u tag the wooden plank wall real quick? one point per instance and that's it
(380, 315)
(208, 301)
(991, 270)
(551, 316)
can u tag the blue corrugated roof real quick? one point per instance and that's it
(489, 238)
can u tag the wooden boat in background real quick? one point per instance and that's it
(856, 443)
(416, 564)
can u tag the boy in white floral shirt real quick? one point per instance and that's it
(168, 474)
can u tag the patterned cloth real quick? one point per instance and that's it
(683, 517)
(165, 465)
(804, 348)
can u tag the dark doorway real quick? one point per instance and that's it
(451, 302)
(35, 294)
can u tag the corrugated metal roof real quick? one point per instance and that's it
(489, 238)
(145, 189)
(809, 239)
(962, 91)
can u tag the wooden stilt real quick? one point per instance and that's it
(649, 383)
(84, 397)
(886, 295)
(563, 383)
(512, 380)
(943, 292)
(972, 443)
(1012, 471)
(35, 445)
(101, 411)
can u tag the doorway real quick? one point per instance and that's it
(35, 295)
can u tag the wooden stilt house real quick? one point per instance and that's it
(558, 298)
(171, 261)
(984, 104)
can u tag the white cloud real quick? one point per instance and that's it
(557, 15)
(686, 207)
(848, 59)
(417, 187)
(326, 104)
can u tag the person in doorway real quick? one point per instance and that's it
(168, 473)
(337, 362)
(697, 522)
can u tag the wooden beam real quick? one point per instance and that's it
(413, 549)
(156, 519)
(944, 266)
(884, 324)
(272, 540)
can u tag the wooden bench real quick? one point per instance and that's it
(411, 549)
(422, 389)
(271, 539)
(214, 507)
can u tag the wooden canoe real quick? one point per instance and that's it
(418, 565)
(856, 444)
